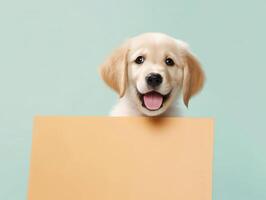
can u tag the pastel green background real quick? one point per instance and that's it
(50, 51)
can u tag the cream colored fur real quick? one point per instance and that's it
(126, 77)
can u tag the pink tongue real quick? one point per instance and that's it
(153, 100)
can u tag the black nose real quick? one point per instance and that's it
(154, 79)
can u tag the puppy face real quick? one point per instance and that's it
(152, 69)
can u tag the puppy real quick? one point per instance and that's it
(149, 72)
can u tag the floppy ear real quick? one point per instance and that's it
(114, 70)
(194, 77)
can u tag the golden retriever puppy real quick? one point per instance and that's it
(149, 72)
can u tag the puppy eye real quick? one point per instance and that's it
(139, 60)
(169, 62)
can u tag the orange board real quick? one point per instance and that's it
(121, 158)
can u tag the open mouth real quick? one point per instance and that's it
(153, 100)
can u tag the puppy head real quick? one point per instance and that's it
(151, 70)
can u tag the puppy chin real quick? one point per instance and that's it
(153, 113)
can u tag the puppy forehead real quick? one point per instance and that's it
(153, 42)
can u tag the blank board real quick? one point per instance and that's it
(121, 158)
